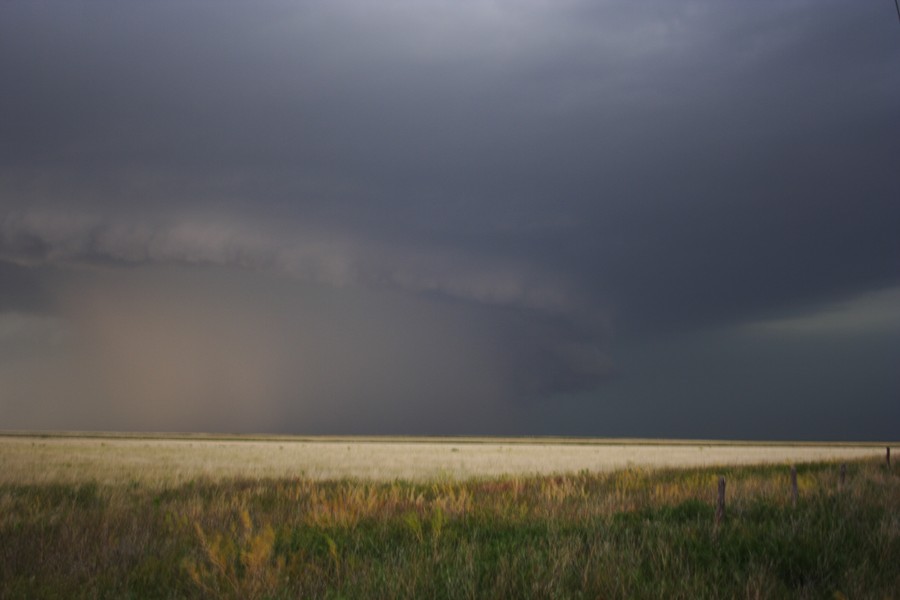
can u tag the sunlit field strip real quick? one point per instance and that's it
(122, 459)
(423, 439)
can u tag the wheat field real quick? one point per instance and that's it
(39, 459)
(243, 517)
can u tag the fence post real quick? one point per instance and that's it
(720, 503)
(887, 457)
(843, 474)
(794, 492)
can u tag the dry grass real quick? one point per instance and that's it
(200, 517)
(634, 533)
(168, 461)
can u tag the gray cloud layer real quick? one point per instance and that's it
(568, 176)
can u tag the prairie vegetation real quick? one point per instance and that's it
(168, 461)
(631, 533)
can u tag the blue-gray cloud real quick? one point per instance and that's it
(569, 175)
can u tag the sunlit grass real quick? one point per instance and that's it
(172, 461)
(639, 531)
(631, 533)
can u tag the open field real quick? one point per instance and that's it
(170, 460)
(281, 518)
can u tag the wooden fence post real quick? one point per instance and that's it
(843, 474)
(794, 492)
(887, 457)
(720, 503)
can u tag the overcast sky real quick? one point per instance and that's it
(666, 218)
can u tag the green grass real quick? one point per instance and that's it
(628, 534)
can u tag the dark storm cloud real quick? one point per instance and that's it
(567, 171)
(21, 290)
(551, 340)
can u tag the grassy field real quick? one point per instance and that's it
(643, 531)
(172, 460)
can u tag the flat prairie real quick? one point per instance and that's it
(253, 517)
(167, 460)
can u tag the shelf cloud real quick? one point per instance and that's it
(436, 217)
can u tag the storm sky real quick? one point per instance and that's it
(570, 217)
